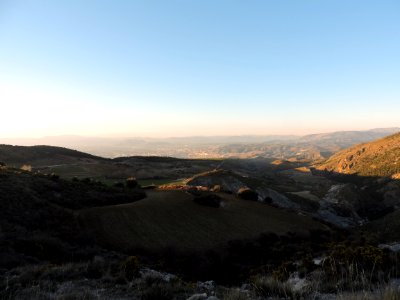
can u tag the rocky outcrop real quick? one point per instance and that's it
(391, 194)
(273, 197)
(247, 194)
(345, 205)
(226, 180)
(229, 181)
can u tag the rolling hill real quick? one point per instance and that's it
(171, 219)
(37, 156)
(379, 158)
(69, 163)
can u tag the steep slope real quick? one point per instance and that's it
(378, 158)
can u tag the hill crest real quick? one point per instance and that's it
(42, 155)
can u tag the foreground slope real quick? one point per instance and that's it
(37, 215)
(378, 158)
(171, 219)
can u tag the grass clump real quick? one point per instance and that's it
(235, 294)
(268, 286)
(384, 293)
(130, 267)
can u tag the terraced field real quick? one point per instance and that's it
(171, 219)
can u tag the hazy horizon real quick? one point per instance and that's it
(198, 68)
(116, 136)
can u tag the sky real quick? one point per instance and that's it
(198, 67)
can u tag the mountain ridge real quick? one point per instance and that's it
(380, 158)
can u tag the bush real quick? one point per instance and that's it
(159, 291)
(235, 294)
(155, 288)
(216, 188)
(358, 267)
(118, 185)
(43, 247)
(247, 194)
(27, 168)
(208, 199)
(387, 293)
(271, 287)
(87, 180)
(54, 177)
(131, 182)
(282, 273)
(130, 267)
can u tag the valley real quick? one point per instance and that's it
(229, 220)
(289, 147)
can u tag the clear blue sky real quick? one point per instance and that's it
(205, 67)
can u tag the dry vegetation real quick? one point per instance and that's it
(380, 158)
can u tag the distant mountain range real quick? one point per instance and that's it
(309, 147)
(313, 146)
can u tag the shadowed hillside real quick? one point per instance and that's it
(171, 219)
(43, 156)
(37, 215)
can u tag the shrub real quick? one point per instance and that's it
(283, 271)
(271, 287)
(87, 180)
(94, 269)
(235, 294)
(388, 293)
(366, 257)
(54, 177)
(216, 188)
(208, 199)
(268, 200)
(247, 194)
(159, 291)
(131, 182)
(118, 185)
(27, 168)
(43, 247)
(358, 267)
(130, 267)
